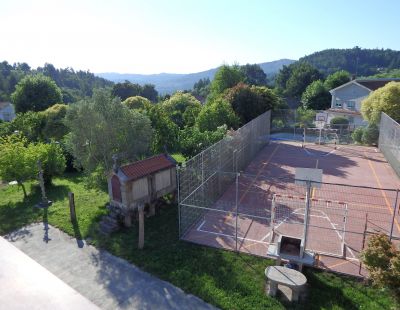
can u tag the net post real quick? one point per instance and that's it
(344, 232)
(236, 207)
(234, 159)
(273, 211)
(306, 214)
(394, 215)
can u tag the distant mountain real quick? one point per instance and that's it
(357, 61)
(170, 82)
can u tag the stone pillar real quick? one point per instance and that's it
(141, 226)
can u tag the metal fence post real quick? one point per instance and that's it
(237, 206)
(394, 215)
(234, 163)
(306, 217)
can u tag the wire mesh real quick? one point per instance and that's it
(389, 141)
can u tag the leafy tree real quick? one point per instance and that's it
(370, 135)
(270, 97)
(148, 91)
(316, 96)
(215, 114)
(30, 124)
(125, 90)
(302, 75)
(305, 117)
(385, 99)
(182, 109)
(35, 93)
(226, 77)
(193, 141)
(393, 73)
(166, 132)
(137, 102)
(254, 75)
(17, 161)
(201, 88)
(54, 125)
(102, 127)
(336, 79)
(248, 102)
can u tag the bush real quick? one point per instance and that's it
(358, 134)
(382, 261)
(339, 122)
(370, 135)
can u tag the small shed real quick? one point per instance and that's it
(143, 182)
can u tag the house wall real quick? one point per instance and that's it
(7, 113)
(351, 92)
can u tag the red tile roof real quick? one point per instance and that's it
(147, 166)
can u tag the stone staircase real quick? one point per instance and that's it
(110, 222)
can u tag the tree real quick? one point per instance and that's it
(35, 93)
(370, 135)
(165, 133)
(316, 96)
(17, 162)
(215, 114)
(125, 90)
(137, 102)
(201, 88)
(225, 77)
(254, 75)
(102, 127)
(30, 124)
(182, 109)
(148, 91)
(302, 75)
(248, 102)
(385, 99)
(54, 125)
(336, 79)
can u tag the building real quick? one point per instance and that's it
(7, 111)
(347, 98)
(141, 183)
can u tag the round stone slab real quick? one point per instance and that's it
(285, 276)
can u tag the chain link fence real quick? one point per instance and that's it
(389, 141)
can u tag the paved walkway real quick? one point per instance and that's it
(106, 280)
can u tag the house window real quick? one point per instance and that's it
(350, 105)
(338, 103)
(351, 120)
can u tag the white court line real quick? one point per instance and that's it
(230, 236)
(201, 225)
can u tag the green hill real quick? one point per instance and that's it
(358, 61)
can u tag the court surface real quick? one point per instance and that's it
(357, 197)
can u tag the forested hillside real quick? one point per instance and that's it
(74, 84)
(358, 61)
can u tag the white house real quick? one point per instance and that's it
(347, 98)
(7, 112)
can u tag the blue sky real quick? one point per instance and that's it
(156, 36)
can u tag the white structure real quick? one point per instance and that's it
(347, 98)
(7, 112)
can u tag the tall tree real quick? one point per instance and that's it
(336, 79)
(301, 76)
(36, 93)
(182, 108)
(254, 75)
(149, 91)
(316, 96)
(226, 77)
(101, 127)
(125, 90)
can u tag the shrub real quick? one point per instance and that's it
(358, 134)
(370, 135)
(382, 261)
(339, 122)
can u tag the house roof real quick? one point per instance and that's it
(369, 84)
(147, 166)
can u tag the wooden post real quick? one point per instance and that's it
(141, 226)
(72, 206)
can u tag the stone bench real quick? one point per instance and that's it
(291, 278)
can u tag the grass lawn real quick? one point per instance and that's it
(225, 279)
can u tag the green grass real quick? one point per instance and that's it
(178, 157)
(225, 279)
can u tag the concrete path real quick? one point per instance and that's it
(106, 280)
(24, 284)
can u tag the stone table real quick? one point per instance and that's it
(291, 278)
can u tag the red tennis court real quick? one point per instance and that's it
(358, 196)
